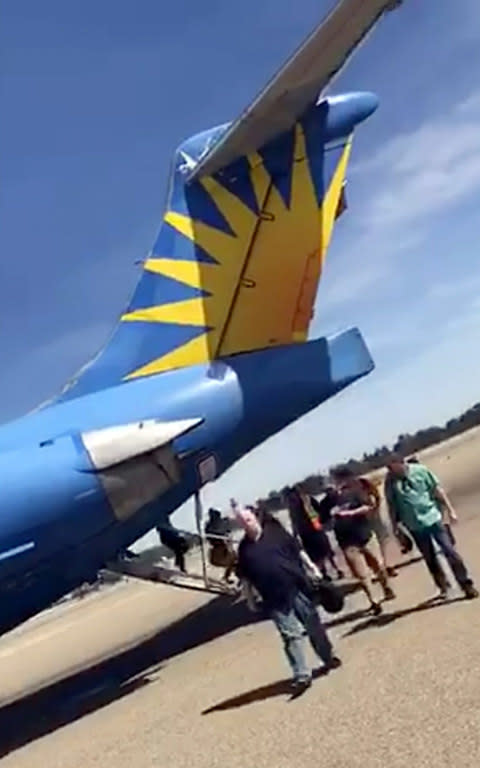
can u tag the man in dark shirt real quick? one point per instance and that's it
(176, 542)
(269, 559)
(326, 505)
(217, 526)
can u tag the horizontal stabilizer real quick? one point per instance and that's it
(298, 84)
(114, 445)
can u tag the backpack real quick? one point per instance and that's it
(330, 596)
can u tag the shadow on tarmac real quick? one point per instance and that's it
(64, 702)
(96, 687)
(376, 622)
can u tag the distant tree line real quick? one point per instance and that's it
(406, 444)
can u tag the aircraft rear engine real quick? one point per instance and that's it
(136, 463)
(61, 492)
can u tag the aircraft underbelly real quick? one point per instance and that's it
(48, 503)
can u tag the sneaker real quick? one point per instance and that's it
(471, 593)
(300, 686)
(389, 594)
(392, 572)
(340, 575)
(376, 609)
(334, 663)
(443, 594)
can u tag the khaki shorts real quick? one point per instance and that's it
(379, 527)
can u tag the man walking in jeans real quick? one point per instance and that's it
(269, 559)
(416, 500)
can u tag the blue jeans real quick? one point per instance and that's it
(440, 534)
(302, 619)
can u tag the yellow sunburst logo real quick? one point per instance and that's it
(262, 288)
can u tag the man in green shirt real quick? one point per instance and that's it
(416, 499)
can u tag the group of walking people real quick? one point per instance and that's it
(281, 571)
(282, 568)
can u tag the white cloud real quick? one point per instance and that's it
(404, 186)
(366, 262)
(446, 309)
(423, 172)
(348, 286)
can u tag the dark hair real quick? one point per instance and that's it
(394, 458)
(343, 473)
(294, 500)
(267, 518)
(331, 492)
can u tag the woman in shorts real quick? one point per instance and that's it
(379, 526)
(354, 532)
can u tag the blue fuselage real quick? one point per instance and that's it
(57, 527)
(58, 524)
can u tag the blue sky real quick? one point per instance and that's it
(95, 96)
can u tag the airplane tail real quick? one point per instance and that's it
(250, 214)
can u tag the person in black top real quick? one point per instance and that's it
(325, 506)
(218, 532)
(307, 525)
(354, 533)
(176, 542)
(270, 560)
(217, 526)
